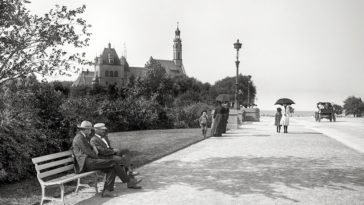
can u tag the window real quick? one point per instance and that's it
(107, 73)
(111, 74)
(116, 74)
(110, 58)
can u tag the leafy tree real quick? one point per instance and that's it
(36, 44)
(338, 109)
(227, 86)
(354, 106)
(156, 84)
(132, 80)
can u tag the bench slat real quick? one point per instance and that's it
(56, 171)
(68, 178)
(36, 160)
(53, 164)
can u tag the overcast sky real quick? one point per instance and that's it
(306, 50)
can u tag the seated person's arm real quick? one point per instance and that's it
(101, 149)
(95, 149)
(85, 147)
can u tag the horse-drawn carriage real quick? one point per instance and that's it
(325, 110)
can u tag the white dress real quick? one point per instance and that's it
(285, 118)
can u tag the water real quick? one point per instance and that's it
(271, 113)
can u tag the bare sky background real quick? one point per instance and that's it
(306, 50)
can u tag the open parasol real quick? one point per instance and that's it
(223, 98)
(284, 102)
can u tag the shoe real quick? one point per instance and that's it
(133, 183)
(107, 193)
(133, 173)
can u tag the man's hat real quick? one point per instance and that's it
(85, 125)
(100, 126)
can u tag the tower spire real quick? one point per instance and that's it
(125, 53)
(177, 47)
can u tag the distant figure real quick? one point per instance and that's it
(203, 123)
(212, 117)
(285, 120)
(278, 118)
(225, 116)
(216, 129)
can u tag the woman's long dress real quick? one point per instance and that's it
(217, 127)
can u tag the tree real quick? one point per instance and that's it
(227, 86)
(338, 109)
(354, 106)
(36, 44)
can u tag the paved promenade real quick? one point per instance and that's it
(253, 165)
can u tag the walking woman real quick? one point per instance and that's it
(216, 128)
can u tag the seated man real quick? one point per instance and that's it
(101, 144)
(87, 160)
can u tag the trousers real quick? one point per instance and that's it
(110, 167)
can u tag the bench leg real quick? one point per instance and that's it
(78, 184)
(96, 176)
(43, 195)
(62, 193)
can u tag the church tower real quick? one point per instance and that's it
(177, 48)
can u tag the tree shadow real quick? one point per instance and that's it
(306, 133)
(236, 176)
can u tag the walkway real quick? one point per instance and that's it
(254, 165)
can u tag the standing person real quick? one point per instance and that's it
(212, 117)
(101, 143)
(203, 123)
(285, 120)
(278, 118)
(216, 129)
(225, 118)
(87, 160)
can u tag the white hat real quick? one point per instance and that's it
(85, 125)
(100, 126)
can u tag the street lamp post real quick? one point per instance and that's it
(249, 81)
(237, 46)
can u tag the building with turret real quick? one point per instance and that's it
(110, 69)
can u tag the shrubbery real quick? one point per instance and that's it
(38, 119)
(41, 118)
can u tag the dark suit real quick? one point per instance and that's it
(81, 150)
(108, 152)
(87, 160)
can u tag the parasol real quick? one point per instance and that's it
(223, 98)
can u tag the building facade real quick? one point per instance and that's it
(112, 70)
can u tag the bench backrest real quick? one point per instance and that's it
(53, 164)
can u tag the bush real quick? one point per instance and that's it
(190, 115)
(31, 125)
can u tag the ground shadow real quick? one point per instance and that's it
(238, 176)
(306, 133)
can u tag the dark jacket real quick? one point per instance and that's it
(101, 146)
(82, 149)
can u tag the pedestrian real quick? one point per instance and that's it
(216, 129)
(278, 118)
(203, 123)
(285, 119)
(225, 116)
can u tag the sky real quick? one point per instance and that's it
(306, 50)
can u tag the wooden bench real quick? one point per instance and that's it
(56, 170)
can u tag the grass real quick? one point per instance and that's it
(145, 146)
